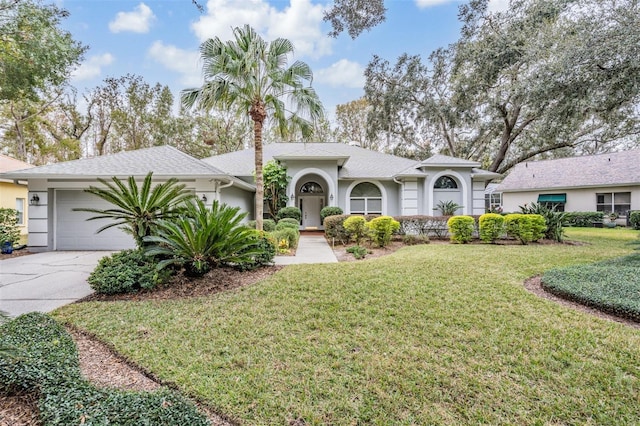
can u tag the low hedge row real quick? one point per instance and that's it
(582, 219)
(47, 363)
(611, 286)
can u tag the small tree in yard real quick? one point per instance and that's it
(9, 231)
(275, 186)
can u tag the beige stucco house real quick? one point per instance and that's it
(604, 182)
(14, 193)
(358, 180)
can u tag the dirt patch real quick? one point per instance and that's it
(15, 253)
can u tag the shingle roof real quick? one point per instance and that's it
(613, 169)
(440, 160)
(9, 164)
(161, 160)
(361, 163)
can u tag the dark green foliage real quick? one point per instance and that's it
(202, 239)
(583, 219)
(268, 225)
(261, 253)
(292, 212)
(554, 220)
(634, 219)
(127, 271)
(491, 227)
(461, 228)
(289, 234)
(138, 210)
(612, 286)
(9, 231)
(275, 186)
(382, 228)
(358, 252)
(357, 228)
(330, 211)
(288, 221)
(49, 364)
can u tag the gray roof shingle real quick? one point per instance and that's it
(612, 169)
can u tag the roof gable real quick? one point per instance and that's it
(612, 169)
(440, 160)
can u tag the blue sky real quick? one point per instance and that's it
(159, 39)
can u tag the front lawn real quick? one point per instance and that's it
(433, 334)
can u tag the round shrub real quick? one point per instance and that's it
(288, 234)
(289, 225)
(461, 228)
(519, 226)
(356, 226)
(292, 212)
(491, 227)
(268, 225)
(334, 228)
(382, 228)
(290, 220)
(126, 272)
(330, 211)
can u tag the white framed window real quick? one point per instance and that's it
(365, 198)
(617, 202)
(20, 209)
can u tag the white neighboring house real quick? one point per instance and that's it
(604, 182)
(358, 180)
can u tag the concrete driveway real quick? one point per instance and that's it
(45, 281)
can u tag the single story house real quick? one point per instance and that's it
(358, 180)
(13, 194)
(604, 182)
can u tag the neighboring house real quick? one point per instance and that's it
(604, 182)
(13, 193)
(358, 180)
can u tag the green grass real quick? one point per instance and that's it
(433, 334)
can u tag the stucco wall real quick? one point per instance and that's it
(9, 192)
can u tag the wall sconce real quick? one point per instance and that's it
(35, 200)
(331, 197)
(204, 198)
(293, 197)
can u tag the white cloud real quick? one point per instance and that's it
(300, 22)
(185, 62)
(423, 4)
(498, 5)
(137, 21)
(92, 67)
(343, 73)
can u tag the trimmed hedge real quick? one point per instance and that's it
(357, 228)
(583, 219)
(611, 286)
(291, 212)
(461, 228)
(382, 228)
(330, 211)
(491, 227)
(48, 364)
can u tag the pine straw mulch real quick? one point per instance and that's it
(104, 367)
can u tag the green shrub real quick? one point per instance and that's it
(538, 226)
(583, 219)
(289, 234)
(261, 253)
(448, 208)
(519, 226)
(268, 225)
(127, 271)
(491, 227)
(330, 211)
(48, 363)
(203, 238)
(334, 228)
(356, 226)
(9, 231)
(288, 222)
(291, 212)
(554, 220)
(461, 228)
(358, 252)
(634, 219)
(612, 286)
(382, 228)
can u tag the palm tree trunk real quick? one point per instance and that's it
(258, 115)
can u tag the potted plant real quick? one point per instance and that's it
(612, 220)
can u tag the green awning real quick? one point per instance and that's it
(552, 198)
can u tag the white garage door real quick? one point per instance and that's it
(74, 232)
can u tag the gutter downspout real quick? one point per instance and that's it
(219, 185)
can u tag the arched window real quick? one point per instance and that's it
(311, 188)
(365, 198)
(445, 182)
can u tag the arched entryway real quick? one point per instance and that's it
(312, 194)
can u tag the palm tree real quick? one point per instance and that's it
(251, 76)
(138, 210)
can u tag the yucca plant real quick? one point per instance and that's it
(137, 210)
(202, 238)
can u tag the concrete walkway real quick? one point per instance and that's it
(311, 249)
(43, 282)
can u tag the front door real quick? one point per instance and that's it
(310, 207)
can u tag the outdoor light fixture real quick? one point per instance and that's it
(35, 200)
(204, 198)
(331, 197)
(293, 197)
